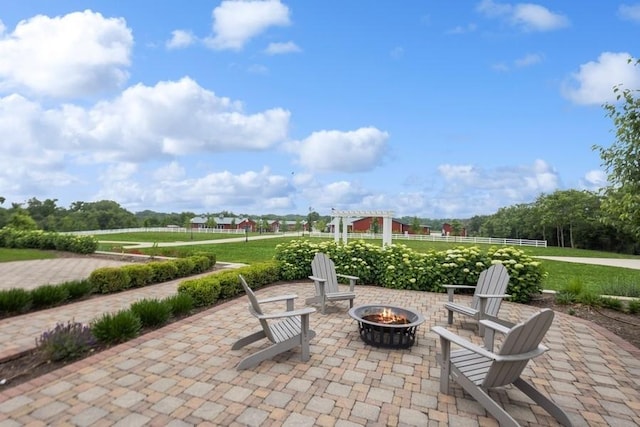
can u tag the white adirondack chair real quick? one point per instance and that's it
(325, 279)
(285, 330)
(478, 369)
(487, 297)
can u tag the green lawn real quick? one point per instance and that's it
(7, 255)
(165, 236)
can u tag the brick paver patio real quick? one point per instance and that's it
(184, 374)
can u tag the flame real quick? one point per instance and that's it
(388, 316)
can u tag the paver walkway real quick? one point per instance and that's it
(184, 374)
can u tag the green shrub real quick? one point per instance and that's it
(48, 296)
(109, 279)
(78, 288)
(612, 303)
(181, 304)
(201, 263)
(112, 328)
(152, 312)
(589, 297)
(38, 239)
(574, 286)
(633, 306)
(68, 341)
(211, 256)
(185, 266)
(139, 274)
(15, 300)
(565, 298)
(399, 267)
(163, 271)
(203, 291)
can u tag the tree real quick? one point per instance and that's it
(416, 228)
(621, 161)
(21, 220)
(375, 225)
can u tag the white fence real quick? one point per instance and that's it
(160, 230)
(429, 238)
(448, 239)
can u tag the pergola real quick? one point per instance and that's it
(387, 217)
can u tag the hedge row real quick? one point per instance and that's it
(114, 279)
(45, 240)
(103, 280)
(208, 290)
(399, 267)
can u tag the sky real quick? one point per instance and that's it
(434, 109)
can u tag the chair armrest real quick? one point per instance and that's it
(451, 288)
(451, 337)
(346, 276)
(300, 312)
(352, 280)
(503, 329)
(493, 296)
(278, 298)
(317, 279)
(458, 287)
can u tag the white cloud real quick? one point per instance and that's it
(282, 48)
(142, 125)
(629, 12)
(594, 180)
(237, 21)
(593, 83)
(513, 183)
(173, 118)
(250, 190)
(337, 151)
(85, 54)
(526, 16)
(180, 39)
(528, 60)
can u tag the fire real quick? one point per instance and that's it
(388, 316)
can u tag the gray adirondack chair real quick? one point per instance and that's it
(285, 330)
(487, 298)
(325, 279)
(478, 369)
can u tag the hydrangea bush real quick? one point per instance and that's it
(398, 267)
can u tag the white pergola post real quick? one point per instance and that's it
(343, 216)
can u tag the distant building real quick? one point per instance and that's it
(366, 225)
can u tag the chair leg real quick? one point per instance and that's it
(450, 317)
(543, 401)
(257, 336)
(445, 365)
(483, 398)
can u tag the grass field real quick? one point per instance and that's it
(24, 254)
(166, 237)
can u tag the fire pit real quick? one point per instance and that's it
(386, 325)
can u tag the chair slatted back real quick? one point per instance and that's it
(254, 308)
(522, 338)
(492, 281)
(322, 266)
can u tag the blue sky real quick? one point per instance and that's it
(429, 109)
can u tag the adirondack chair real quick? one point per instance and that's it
(325, 279)
(487, 297)
(478, 369)
(290, 331)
